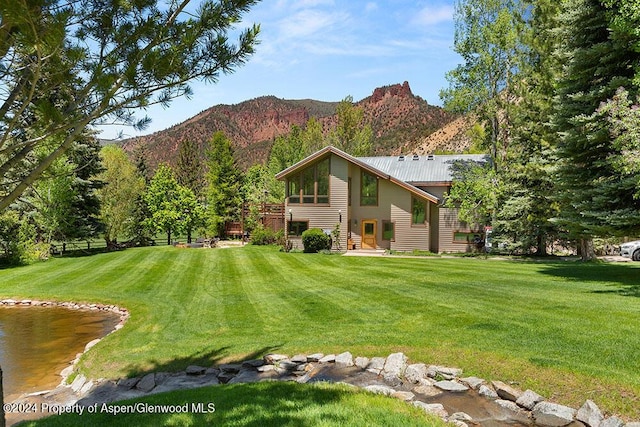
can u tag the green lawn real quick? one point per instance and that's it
(567, 330)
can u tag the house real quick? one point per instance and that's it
(379, 202)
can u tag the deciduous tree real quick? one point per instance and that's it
(118, 196)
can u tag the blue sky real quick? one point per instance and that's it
(327, 50)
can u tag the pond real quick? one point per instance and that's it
(36, 343)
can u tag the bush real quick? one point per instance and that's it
(315, 240)
(265, 236)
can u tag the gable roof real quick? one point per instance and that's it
(406, 173)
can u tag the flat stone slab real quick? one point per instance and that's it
(505, 391)
(452, 386)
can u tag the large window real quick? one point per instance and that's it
(418, 211)
(296, 228)
(368, 189)
(311, 185)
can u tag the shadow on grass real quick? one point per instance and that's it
(622, 279)
(205, 358)
(247, 405)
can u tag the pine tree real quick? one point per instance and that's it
(527, 202)
(595, 199)
(189, 167)
(224, 180)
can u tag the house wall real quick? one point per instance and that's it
(445, 222)
(394, 204)
(326, 217)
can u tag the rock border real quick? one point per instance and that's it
(397, 378)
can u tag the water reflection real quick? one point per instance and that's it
(36, 343)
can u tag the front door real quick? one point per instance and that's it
(369, 231)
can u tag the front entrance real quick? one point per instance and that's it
(369, 231)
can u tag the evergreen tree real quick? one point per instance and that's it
(521, 220)
(224, 195)
(189, 167)
(139, 226)
(596, 200)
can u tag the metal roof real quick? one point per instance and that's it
(420, 169)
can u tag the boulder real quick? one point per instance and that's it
(612, 422)
(344, 359)
(270, 359)
(590, 414)
(329, 358)
(128, 383)
(427, 390)
(552, 414)
(414, 373)
(254, 363)
(147, 383)
(91, 344)
(505, 391)
(473, 382)
(299, 358)
(487, 392)
(395, 365)
(195, 370)
(432, 408)
(442, 371)
(460, 416)
(380, 389)
(529, 399)
(314, 357)
(78, 382)
(362, 362)
(514, 412)
(376, 364)
(403, 395)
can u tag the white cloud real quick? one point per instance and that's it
(310, 22)
(431, 15)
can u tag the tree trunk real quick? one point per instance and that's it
(169, 237)
(587, 251)
(2, 422)
(541, 249)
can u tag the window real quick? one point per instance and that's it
(418, 211)
(322, 181)
(296, 228)
(368, 189)
(293, 189)
(466, 237)
(311, 185)
(388, 230)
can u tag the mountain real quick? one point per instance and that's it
(400, 122)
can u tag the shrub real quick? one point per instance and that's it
(315, 240)
(265, 236)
